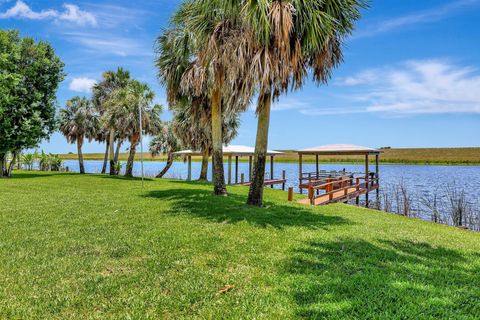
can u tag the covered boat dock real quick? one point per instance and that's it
(233, 153)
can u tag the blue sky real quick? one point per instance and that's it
(411, 76)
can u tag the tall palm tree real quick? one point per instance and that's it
(101, 95)
(165, 142)
(186, 71)
(124, 115)
(294, 37)
(79, 121)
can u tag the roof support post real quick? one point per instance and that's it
(189, 177)
(236, 169)
(300, 172)
(367, 182)
(316, 164)
(271, 170)
(249, 168)
(229, 169)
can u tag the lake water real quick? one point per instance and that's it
(421, 181)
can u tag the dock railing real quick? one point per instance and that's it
(344, 188)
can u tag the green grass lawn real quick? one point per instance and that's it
(95, 247)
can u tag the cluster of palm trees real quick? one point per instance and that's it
(217, 55)
(111, 116)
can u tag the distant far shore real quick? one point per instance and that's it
(438, 156)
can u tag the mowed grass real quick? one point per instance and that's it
(453, 156)
(95, 247)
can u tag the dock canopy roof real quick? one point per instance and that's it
(231, 150)
(339, 149)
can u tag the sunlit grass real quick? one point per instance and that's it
(78, 247)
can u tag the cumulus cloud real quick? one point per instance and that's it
(71, 13)
(81, 84)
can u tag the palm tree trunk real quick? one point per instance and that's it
(131, 156)
(255, 194)
(204, 169)
(117, 150)
(112, 156)
(80, 154)
(167, 165)
(105, 158)
(219, 187)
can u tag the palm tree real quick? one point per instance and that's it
(101, 95)
(300, 36)
(184, 70)
(123, 114)
(192, 125)
(165, 142)
(77, 121)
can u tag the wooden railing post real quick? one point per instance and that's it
(242, 178)
(290, 194)
(311, 194)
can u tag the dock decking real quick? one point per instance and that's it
(338, 196)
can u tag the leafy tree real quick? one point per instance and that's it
(79, 121)
(30, 73)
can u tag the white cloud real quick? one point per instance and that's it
(426, 16)
(71, 13)
(81, 85)
(409, 88)
(419, 87)
(107, 43)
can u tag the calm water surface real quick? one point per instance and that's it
(420, 179)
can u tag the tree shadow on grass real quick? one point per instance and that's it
(389, 280)
(232, 209)
(38, 174)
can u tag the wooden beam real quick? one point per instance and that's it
(316, 163)
(189, 177)
(284, 175)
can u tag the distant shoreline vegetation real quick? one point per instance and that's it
(420, 156)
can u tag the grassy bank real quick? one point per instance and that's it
(78, 247)
(447, 156)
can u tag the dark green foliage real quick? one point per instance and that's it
(29, 78)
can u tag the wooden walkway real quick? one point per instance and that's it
(339, 190)
(338, 196)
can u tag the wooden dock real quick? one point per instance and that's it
(337, 196)
(340, 190)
